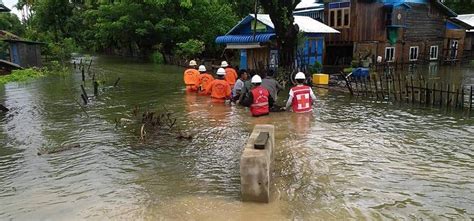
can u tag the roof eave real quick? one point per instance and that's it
(449, 12)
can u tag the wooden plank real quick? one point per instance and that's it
(261, 140)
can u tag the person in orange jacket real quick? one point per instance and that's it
(230, 73)
(204, 80)
(191, 77)
(219, 89)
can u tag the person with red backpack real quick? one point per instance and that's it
(301, 97)
(259, 99)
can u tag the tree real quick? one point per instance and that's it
(10, 22)
(281, 14)
(461, 6)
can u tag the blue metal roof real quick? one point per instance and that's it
(226, 39)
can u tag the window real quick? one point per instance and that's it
(434, 52)
(340, 17)
(331, 18)
(453, 49)
(346, 17)
(413, 53)
(390, 54)
(260, 27)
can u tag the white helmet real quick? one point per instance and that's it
(193, 63)
(300, 76)
(224, 64)
(221, 72)
(202, 68)
(256, 79)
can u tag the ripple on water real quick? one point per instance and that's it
(349, 160)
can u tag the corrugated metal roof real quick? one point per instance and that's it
(308, 4)
(226, 39)
(309, 10)
(305, 23)
(467, 18)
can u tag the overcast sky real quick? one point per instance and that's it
(10, 4)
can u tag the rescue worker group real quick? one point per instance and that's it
(259, 94)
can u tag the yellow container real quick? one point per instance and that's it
(321, 79)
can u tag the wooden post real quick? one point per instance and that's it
(448, 96)
(381, 87)
(462, 96)
(406, 89)
(83, 75)
(433, 100)
(456, 100)
(356, 86)
(441, 94)
(394, 88)
(370, 87)
(90, 63)
(387, 81)
(470, 100)
(74, 64)
(400, 87)
(419, 92)
(84, 99)
(96, 88)
(366, 92)
(427, 93)
(376, 87)
(84, 91)
(412, 91)
(116, 82)
(349, 86)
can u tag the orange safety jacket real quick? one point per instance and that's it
(191, 79)
(219, 90)
(231, 76)
(204, 81)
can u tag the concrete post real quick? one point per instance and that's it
(255, 167)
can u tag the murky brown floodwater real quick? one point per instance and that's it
(351, 159)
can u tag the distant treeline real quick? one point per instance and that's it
(128, 27)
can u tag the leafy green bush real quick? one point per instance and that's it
(190, 49)
(21, 75)
(315, 68)
(54, 68)
(157, 58)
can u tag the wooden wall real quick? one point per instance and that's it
(258, 58)
(367, 23)
(458, 35)
(423, 24)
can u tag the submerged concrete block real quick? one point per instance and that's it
(255, 166)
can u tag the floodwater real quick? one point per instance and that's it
(349, 160)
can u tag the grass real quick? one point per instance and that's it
(53, 69)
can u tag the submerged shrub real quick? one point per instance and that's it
(157, 58)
